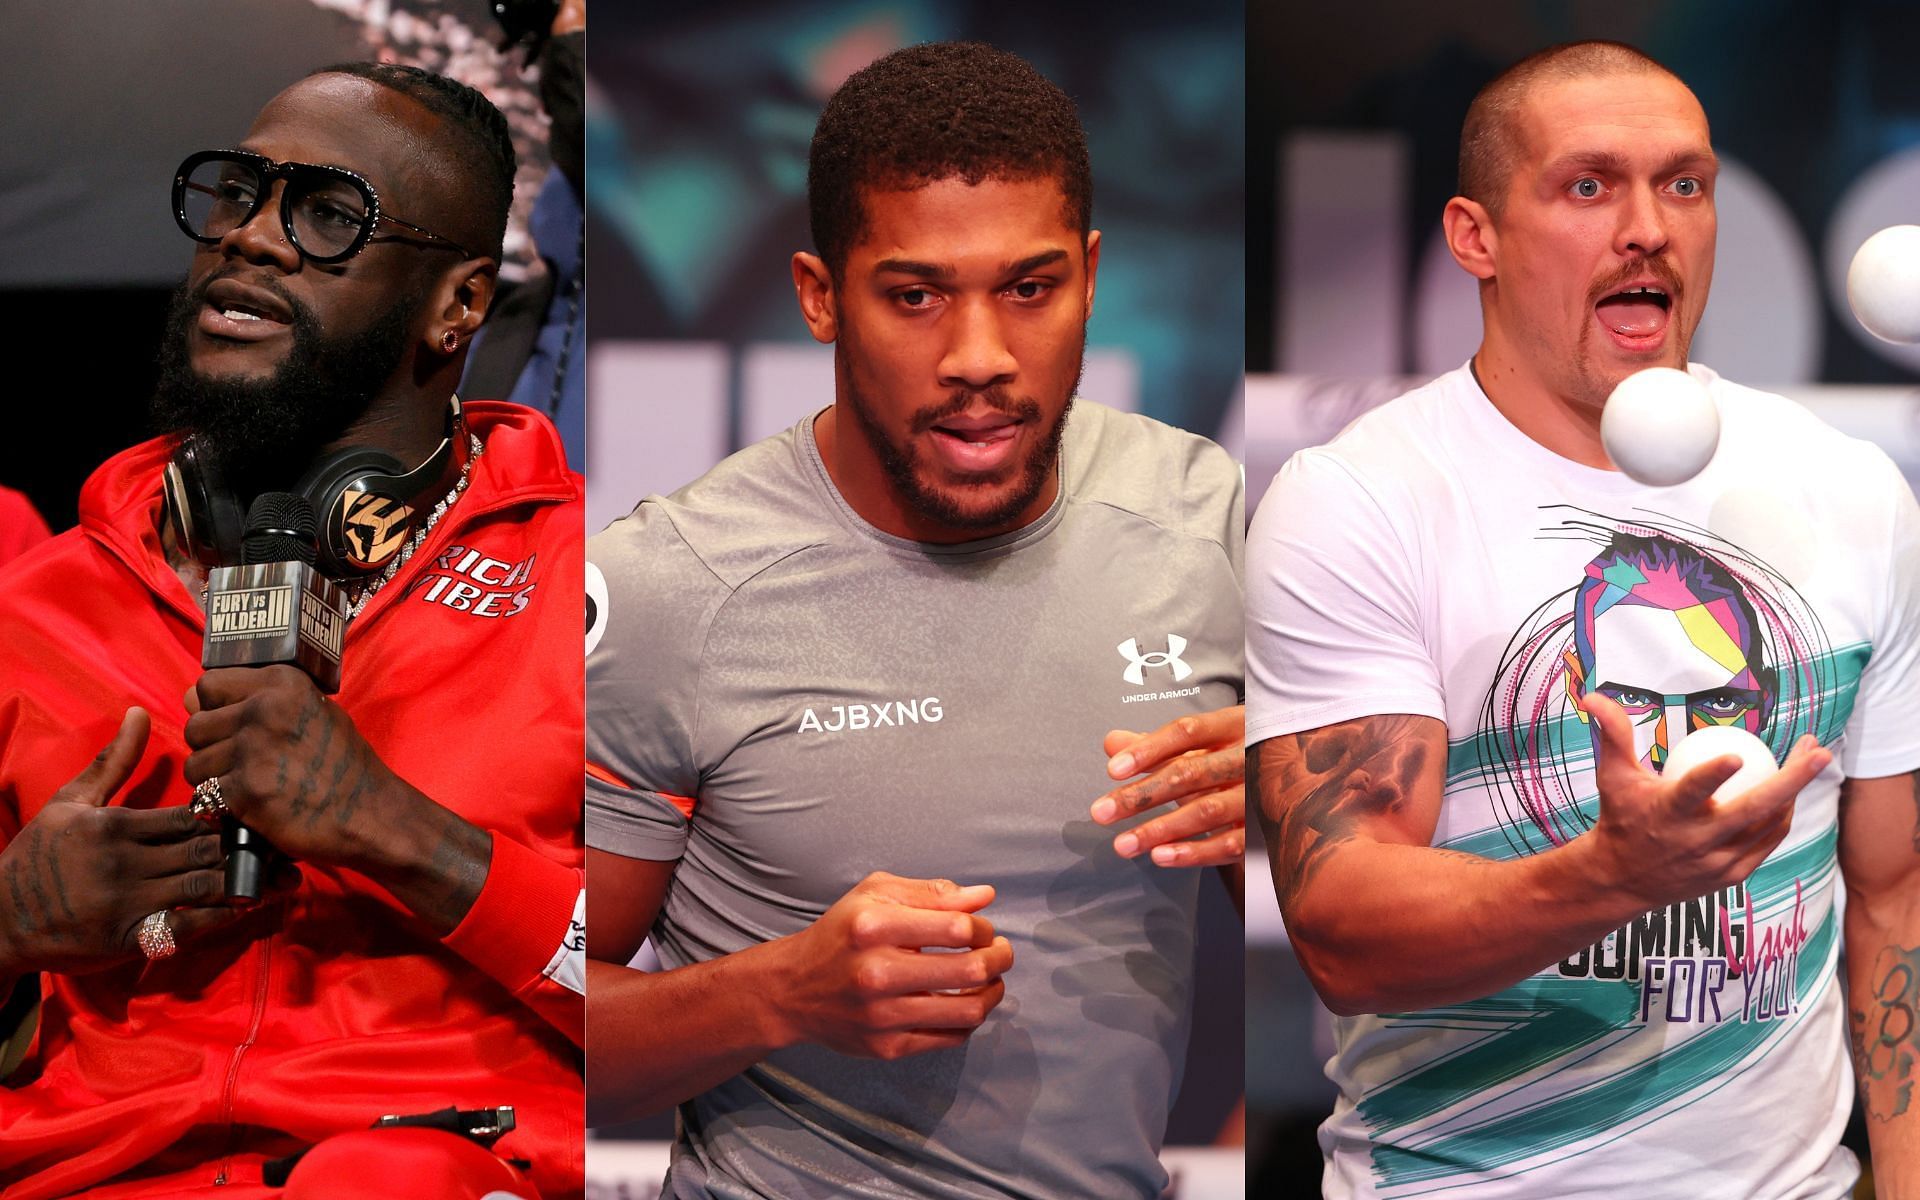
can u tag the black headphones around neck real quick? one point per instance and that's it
(366, 503)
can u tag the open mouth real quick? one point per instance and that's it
(972, 442)
(1637, 315)
(239, 312)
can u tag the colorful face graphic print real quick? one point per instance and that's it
(1664, 632)
(1681, 628)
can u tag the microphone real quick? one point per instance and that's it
(273, 608)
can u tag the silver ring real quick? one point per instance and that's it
(208, 804)
(156, 936)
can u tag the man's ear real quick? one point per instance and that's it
(462, 298)
(1093, 267)
(819, 303)
(1471, 237)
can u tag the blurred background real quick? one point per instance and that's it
(104, 100)
(1354, 115)
(698, 123)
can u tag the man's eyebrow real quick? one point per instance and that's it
(1696, 159)
(1613, 163)
(1034, 262)
(913, 267)
(1605, 161)
(917, 269)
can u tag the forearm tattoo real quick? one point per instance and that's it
(1882, 1027)
(458, 869)
(1318, 788)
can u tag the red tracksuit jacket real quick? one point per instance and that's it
(318, 1016)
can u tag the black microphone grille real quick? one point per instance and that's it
(280, 528)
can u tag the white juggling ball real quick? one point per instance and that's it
(1705, 745)
(1883, 284)
(1660, 426)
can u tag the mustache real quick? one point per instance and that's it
(1658, 266)
(962, 399)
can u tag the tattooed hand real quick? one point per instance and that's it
(1664, 839)
(79, 878)
(291, 764)
(1197, 763)
(293, 768)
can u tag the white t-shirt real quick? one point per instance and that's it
(1434, 560)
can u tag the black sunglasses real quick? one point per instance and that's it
(328, 213)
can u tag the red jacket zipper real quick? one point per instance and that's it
(240, 1052)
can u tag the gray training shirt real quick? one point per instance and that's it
(828, 701)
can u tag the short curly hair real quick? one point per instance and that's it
(939, 111)
(478, 141)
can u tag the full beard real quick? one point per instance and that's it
(261, 434)
(949, 506)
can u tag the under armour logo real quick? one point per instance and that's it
(1136, 672)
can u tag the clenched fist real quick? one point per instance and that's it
(896, 967)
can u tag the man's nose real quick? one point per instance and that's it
(1667, 734)
(262, 237)
(1643, 225)
(977, 355)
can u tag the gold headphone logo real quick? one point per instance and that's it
(374, 526)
